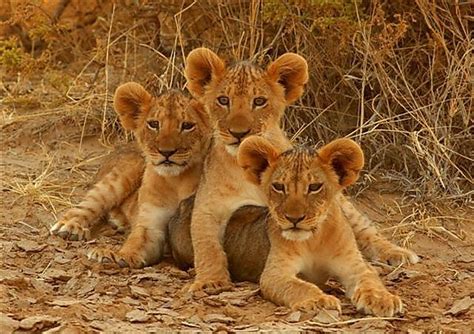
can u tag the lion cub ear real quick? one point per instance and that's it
(202, 67)
(255, 155)
(131, 100)
(345, 158)
(291, 71)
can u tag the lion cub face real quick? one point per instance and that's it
(171, 129)
(242, 98)
(300, 184)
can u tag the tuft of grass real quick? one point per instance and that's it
(395, 76)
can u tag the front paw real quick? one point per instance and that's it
(130, 259)
(398, 255)
(70, 229)
(377, 301)
(323, 301)
(211, 287)
(101, 255)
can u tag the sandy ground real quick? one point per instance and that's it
(47, 284)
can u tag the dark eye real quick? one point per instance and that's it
(223, 100)
(278, 187)
(187, 126)
(259, 101)
(314, 187)
(153, 125)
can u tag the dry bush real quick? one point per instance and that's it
(394, 75)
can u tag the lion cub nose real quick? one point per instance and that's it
(295, 220)
(167, 153)
(239, 135)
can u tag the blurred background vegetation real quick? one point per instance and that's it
(395, 75)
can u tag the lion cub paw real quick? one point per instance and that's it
(101, 255)
(213, 287)
(70, 230)
(324, 301)
(398, 255)
(378, 302)
(130, 259)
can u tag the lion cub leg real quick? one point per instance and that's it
(371, 243)
(145, 245)
(362, 283)
(280, 284)
(210, 261)
(109, 192)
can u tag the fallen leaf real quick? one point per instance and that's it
(138, 291)
(214, 301)
(39, 322)
(152, 276)
(64, 301)
(239, 294)
(465, 258)
(461, 306)
(137, 316)
(61, 259)
(130, 301)
(218, 318)
(190, 324)
(178, 273)
(7, 324)
(414, 331)
(327, 316)
(401, 274)
(9, 275)
(30, 246)
(194, 320)
(165, 311)
(294, 316)
(56, 275)
(279, 311)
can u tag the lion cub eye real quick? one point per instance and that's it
(187, 126)
(223, 100)
(153, 125)
(259, 101)
(278, 187)
(314, 187)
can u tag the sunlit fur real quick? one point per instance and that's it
(310, 239)
(224, 188)
(295, 200)
(142, 187)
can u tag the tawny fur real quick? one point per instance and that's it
(241, 100)
(246, 243)
(309, 236)
(230, 95)
(144, 187)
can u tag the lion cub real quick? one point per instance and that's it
(144, 186)
(309, 235)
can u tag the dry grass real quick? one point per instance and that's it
(396, 77)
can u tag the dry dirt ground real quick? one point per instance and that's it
(47, 284)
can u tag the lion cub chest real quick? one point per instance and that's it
(225, 181)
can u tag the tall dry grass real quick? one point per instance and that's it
(396, 76)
